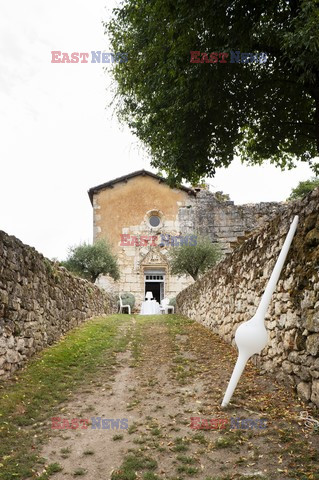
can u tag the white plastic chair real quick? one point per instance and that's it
(165, 307)
(124, 306)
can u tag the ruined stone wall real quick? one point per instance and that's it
(223, 221)
(39, 302)
(230, 293)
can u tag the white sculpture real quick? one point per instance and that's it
(251, 337)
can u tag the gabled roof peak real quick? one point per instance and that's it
(125, 178)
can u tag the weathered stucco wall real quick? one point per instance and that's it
(126, 204)
(230, 293)
(124, 209)
(39, 302)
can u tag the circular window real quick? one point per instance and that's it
(154, 220)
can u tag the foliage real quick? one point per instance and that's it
(201, 184)
(303, 188)
(194, 260)
(222, 197)
(127, 299)
(172, 302)
(89, 261)
(194, 118)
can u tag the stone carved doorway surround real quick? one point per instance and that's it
(154, 273)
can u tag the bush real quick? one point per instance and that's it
(89, 261)
(127, 299)
(172, 302)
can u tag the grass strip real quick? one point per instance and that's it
(50, 378)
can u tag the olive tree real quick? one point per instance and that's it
(194, 260)
(89, 261)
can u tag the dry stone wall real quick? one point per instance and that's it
(39, 302)
(230, 293)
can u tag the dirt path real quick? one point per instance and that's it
(173, 370)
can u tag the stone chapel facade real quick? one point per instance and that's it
(134, 211)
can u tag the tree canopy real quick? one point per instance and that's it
(194, 117)
(89, 261)
(194, 260)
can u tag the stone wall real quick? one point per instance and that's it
(222, 220)
(39, 302)
(230, 293)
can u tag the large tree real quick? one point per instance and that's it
(194, 117)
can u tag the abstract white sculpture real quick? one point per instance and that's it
(251, 337)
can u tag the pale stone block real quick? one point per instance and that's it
(20, 344)
(12, 356)
(315, 392)
(312, 344)
(130, 252)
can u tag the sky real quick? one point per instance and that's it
(60, 136)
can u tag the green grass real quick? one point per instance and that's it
(230, 439)
(186, 460)
(189, 470)
(133, 463)
(132, 428)
(79, 472)
(139, 441)
(200, 438)
(50, 470)
(65, 452)
(150, 476)
(49, 379)
(181, 445)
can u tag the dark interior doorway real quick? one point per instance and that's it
(155, 288)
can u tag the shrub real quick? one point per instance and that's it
(127, 299)
(172, 302)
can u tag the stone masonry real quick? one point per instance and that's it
(230, 293)
(222, 220)
(39, 302)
